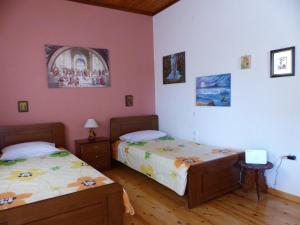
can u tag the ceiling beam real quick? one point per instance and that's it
(132, 10)
(167, 6)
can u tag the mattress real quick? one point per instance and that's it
(29, 180)
(167, 159)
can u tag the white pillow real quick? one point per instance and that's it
(28, 150)
(144, 135)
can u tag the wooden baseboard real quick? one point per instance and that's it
(284, 195)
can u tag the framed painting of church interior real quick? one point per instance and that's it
(77, 67)
(174, 68)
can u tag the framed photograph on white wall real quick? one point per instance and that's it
(283, 62)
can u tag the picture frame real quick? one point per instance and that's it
(214, 90)
(246, 62)
(282, 62)
(174, 68)
(77, 67)
(128, 100)
(23, 106)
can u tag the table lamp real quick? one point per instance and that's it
(90, 124)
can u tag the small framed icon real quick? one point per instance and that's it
(129, 100)
(246, 62)
(23, 106)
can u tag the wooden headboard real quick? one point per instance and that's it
(50, 132)
(123, 125)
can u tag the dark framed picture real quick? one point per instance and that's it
(23, 106)
(128, 100)
(283, 62)
(174, 68)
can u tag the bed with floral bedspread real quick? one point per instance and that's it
(29, 180)
(167, 159)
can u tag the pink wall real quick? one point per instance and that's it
(27, 25)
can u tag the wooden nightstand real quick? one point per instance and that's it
(95, 153)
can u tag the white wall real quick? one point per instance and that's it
(265, 112)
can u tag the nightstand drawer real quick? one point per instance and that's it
(94, 148)
(94, 156)
(97, 153)
(101, 163)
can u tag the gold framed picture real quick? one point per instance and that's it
(23, 106)
(246, 62)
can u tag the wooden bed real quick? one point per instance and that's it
(96, 206)
(205, 181)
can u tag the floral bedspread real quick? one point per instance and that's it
(29, 180)
(167, 159)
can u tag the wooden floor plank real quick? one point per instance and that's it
(157, 205)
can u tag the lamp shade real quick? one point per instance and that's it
(91, 123)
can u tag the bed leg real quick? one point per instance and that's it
(194, 189)
(115, 210)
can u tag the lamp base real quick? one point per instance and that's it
(92, 135)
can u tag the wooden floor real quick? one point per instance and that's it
(157, 205)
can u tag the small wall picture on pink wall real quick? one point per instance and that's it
(23, 106)
(77, 67)
(128, 100)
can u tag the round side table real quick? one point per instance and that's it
(254, 174)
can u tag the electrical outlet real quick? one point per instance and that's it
(291, 157)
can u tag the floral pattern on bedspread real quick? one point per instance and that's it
(29, 180)
(167, 159)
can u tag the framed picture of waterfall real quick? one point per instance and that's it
(214, 90)
(174, 68)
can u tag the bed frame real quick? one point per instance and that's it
(205, 181)
(96, 206)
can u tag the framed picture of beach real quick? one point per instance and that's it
(174, 68)
(214, 90)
